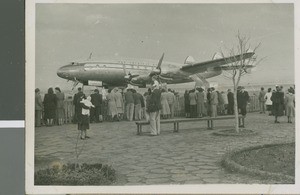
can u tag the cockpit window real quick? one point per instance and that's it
(74, 63)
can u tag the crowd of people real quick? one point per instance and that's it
(278, 103)
(200, 103)
(157, 102)
(49, 109)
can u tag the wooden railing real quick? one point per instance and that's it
(178, 108)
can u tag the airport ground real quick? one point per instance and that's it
(191, 156)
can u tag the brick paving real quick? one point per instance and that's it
(191, 156)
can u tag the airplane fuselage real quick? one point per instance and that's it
(113, 73)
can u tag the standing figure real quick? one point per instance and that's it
(220, 107)
(112, 106)
(147, 96)
(242, 100)
(225, 99)
(153, 108)
(50, 106)
(119, 103)
(138, 99)
(262, 100)
(171, 101)
(278, 103)
(165, 110)
(38, 107)
(290, 105)
(60, 111)
(129, 103)
(193, 103)
(96, 100)
(76, 103)
(230, 107)
(187, 103)
(84, 119)
(268, 101)
(200, 102)
(208, 105)
(213, 102)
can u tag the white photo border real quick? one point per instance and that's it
(150, 189)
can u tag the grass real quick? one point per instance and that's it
(275, 159)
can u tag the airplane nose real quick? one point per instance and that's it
(60, 72)
(63, 72)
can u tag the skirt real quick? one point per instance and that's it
(290, 111)
(60, 113)
(49, 113)
(84, 122)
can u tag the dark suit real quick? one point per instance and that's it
(230, 98)
(96, 100)
(242, 100)
(278, 103)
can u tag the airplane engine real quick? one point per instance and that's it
(156, 71)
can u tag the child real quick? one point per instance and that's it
(85, 121)
(87, 102)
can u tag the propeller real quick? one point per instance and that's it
(157, 70)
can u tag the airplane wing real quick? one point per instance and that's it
(202, 66)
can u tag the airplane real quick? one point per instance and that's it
(139, 72)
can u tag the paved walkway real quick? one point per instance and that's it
(191, 156)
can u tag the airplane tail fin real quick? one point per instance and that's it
(189, 60)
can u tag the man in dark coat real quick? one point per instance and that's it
(278, 103)
(242, 100)
(76, 103)
(97, 102)
(230, 98)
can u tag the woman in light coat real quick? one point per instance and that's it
(60, 112)
(200, 102)
(165, 110)
(290, 105)
(112, 106)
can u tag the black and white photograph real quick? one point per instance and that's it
(160, 97)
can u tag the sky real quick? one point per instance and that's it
(70, 32)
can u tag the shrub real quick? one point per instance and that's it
(72, 174)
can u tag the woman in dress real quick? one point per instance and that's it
(290, 105)
(119, 103)
(193, 103)
(84, 117)
(60, 112)
(112, 106)
(50, 106)
(165, 109)
(278, 103)
(200, 102)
